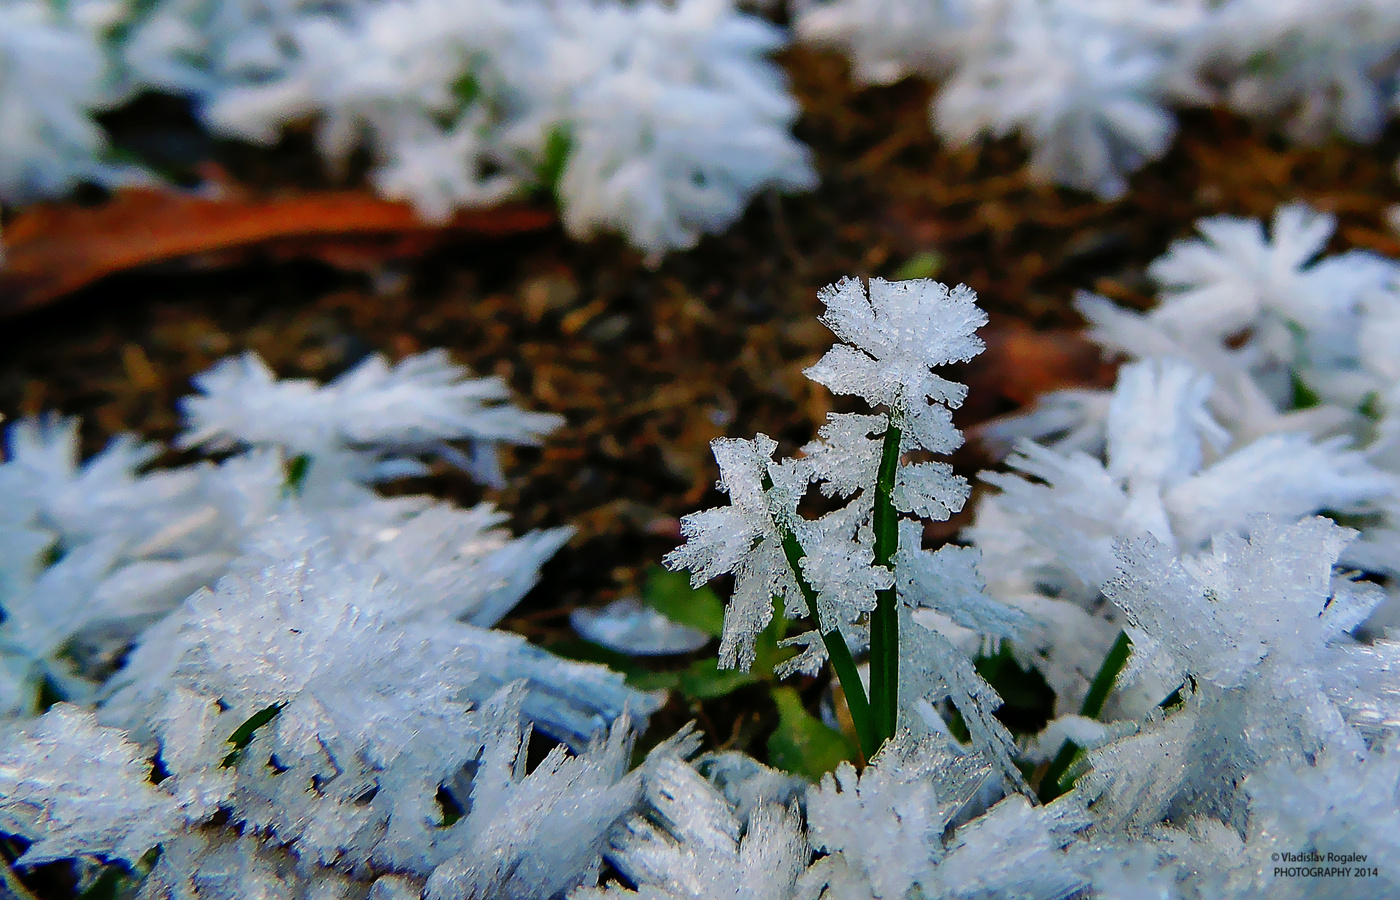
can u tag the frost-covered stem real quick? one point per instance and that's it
(1092, 707)
(854, 691)
(1103, 682)
(884, 621)
(836, 649)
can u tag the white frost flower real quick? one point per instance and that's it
(1319, 67)
(889, 39)
(745, 539)
(658, 120)
(1343, 804)
(679, 126)
(72, 788)
(53, 78)
(1049, 536)
(370, 412)
(1260, 315)
(1087, 95)
(540, 834)
(692, 845)
(882, 830)
(893, 337)
(1257, 632)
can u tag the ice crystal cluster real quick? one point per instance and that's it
(659, 120)
(285, 680)
(289, 684)
(54, 74)
(1090, 84)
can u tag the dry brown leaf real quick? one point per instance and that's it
(55, 249)
(1019, 365)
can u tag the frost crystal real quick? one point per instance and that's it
(745, 539)
(677, 124)
(629, 627)
(53, 77)
(659, 120)
(1053, 537)
(1087, 95)
(932, 670)
(1258, 633)
(883, 830)
(1088, 84)
(892, 338)
(889, 39)
(1248, 309)
(948, 582)
(1015, 850)
(1314, 66)
(692, 846)
(72, 788)
(221, 865)
(338, 682)
(540, 834)
(1342, 805)
(128, 547)
(417, 405)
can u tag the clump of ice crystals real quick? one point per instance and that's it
(659, 120)
(309, 666)
(1091, 85)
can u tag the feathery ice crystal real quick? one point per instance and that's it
(304, 661)
(54, 75)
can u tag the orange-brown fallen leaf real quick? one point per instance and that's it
(1019, 365)
(54, 249)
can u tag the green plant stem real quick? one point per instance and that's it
(837, 650)
(884, 621)
(1103, 682)
(1092, 707)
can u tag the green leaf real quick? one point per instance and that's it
(47, 692)
(451, 810)
(670, 594)
(297, 467)
(582, 650)
(466, 89)
(803, 744)
(112, 883)
(54, 554)
(1304, 397)
(557, 147)
(643, 680)
(1371, 406)
(243, 734)
(705, 680)
(1026, 698)
(921, 265)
